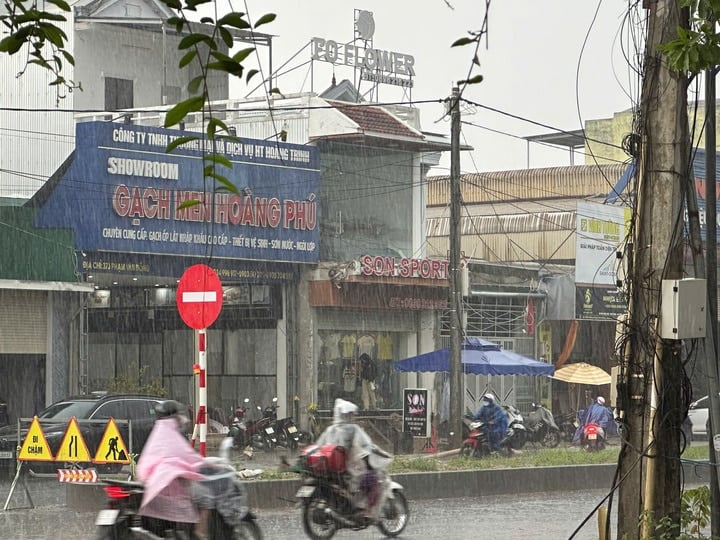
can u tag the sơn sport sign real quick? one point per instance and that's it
(404, 267)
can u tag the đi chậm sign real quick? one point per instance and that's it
(124, 193)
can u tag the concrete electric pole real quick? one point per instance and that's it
(650, 475)
(456, 298)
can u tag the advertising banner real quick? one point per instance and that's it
(124, 193)
(601, 303)
(600, 231)
(416, 412)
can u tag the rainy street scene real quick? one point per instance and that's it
(283, 270)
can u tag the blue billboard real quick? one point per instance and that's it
(124, 193)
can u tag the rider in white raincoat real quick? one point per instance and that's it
(364, 458)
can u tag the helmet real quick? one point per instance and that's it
(344, 411)
(601, 400)
(173, 409)
(168, 408)
(489, 398)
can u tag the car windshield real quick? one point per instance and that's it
(67, 409)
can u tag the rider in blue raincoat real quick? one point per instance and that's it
(494, 420)
(596, 413)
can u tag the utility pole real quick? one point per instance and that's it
(652, 364)
(456, 315)
(711, 273)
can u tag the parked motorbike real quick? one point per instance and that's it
(567, 423)
(239, 430)
(541, 427)
(230, 517)
(330, 503)
(288, 434)
(592, 437)
(262, 431)
(517, 432)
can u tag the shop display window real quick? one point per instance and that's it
(340, 368)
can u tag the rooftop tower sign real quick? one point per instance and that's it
(375, 64)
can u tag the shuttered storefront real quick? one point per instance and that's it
(23, 322)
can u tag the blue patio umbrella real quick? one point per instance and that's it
(478, 357)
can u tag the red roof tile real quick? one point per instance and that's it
(375, 120)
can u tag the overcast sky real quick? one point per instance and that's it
(554, 62)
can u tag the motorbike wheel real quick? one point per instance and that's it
(468, 450)
(317, 523)
(551, 438)
(518, 440)
(394, 515)
(248, 530)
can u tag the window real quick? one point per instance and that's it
(111, 409)
(118, 94)
(171, 95)
(140, 409)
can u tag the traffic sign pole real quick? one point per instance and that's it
(202, 391)
(199, 301)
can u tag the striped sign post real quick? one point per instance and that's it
(199, 301)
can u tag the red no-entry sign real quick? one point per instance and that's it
(199, 296)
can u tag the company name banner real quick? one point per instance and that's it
(600, 231)
(124, 193)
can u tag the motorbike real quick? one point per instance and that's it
(262, 431)
(230, 517)
(250, 435)
(592, 437)
(330, 502)
(541, 427)
(567, 424)
(239, 431)
(288, 434)
(516, 432)
(477, 442)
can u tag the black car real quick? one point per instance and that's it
(99, 407)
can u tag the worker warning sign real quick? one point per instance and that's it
(73, 447)
(35, 447)
(112, 448)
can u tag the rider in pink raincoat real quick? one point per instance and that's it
(167, 465)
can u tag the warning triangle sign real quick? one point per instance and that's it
(112, 448)
(73, 447)
(35, 447)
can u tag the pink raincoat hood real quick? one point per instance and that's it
(167, 456)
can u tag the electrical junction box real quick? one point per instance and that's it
(684, 304)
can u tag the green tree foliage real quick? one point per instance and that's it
(26, 24)
(697, 47)
(132, 383)
(37, 32)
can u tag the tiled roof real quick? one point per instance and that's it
(375, 120)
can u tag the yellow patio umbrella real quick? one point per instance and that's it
(582, 373)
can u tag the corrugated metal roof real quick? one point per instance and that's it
(528, 184)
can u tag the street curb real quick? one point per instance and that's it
(278, 494)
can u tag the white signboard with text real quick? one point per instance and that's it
(601, 229)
